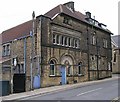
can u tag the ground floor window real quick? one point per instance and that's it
(52, 67)
(19, 68)
(80, 68)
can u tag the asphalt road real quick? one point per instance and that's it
(107, 90)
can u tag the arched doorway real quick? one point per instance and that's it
(66, 68)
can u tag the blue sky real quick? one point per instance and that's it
(15, 12)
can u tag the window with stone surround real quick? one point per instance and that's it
(93, 39)
(66, 20)
(19, 68)
(93, 62)
(6, 50)
(52, 68)
(76, 43)
(80, 68)
(104, 43)
(62, 40)
(65, 41)
(54, 39)
(57, 39)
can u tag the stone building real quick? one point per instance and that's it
(115, 54)
(60, 47)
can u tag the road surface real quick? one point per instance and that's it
(105, 90)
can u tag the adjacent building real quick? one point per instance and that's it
(63, 46)
(115, 54)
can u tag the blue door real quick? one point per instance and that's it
(63, 75)
(36, 82)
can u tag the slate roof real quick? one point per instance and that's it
(75, 14)
(63, 9)
(17, 32)
(116, 39)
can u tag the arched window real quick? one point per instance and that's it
(69, 42)
(68, 67)
(52, 67)
(54, 39)
(62, 38)
(93, 40)
(66, 41)
(75, 43)
(79, 68)
(57, 38)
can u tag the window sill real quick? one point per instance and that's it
(51, 75)
(54, 75)
(80, 74)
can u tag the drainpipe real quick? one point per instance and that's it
(11, 72)
(32, 49)
(97, 58)
(88, 54)
(25, 56)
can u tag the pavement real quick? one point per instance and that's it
(17, 96)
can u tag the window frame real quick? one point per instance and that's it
(8, 49)
(80, 68)
(52, 68)
(105, 43)
(54, 39)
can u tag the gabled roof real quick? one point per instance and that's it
(63, 9)
(17, 32)
(75, 14)
(116, 39)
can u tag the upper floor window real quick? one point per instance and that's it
(6, 50)
(65, 41)
(62, 40)
(69, 42)
(52, 67)
(105, 43)
(66, 20)
(54, 39)
(57, 39)
(94, 40)
(76, 43)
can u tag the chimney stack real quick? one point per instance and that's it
(88, 14)
(70, 5)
